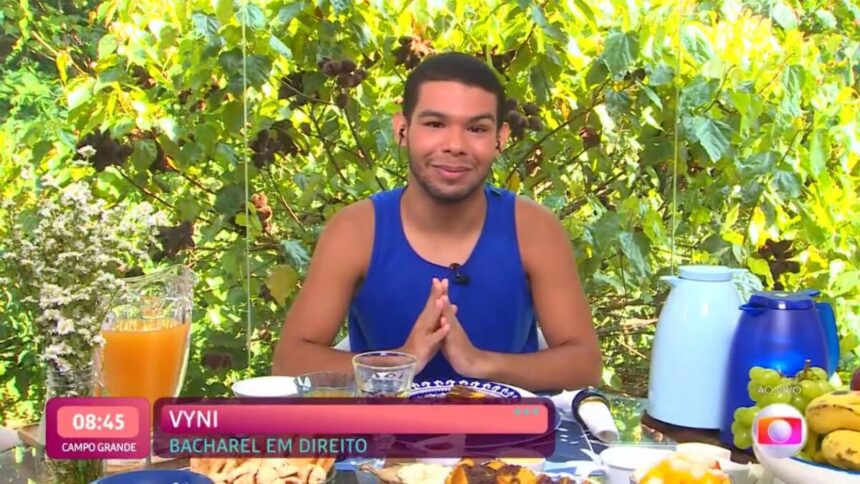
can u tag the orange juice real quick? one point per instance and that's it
(144, 358)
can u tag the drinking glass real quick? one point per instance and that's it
(326, 384)
(384, 373)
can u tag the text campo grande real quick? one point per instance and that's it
(126, 447)
(269, 446)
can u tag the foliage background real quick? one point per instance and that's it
(209, 108)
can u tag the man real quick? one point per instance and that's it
(448, 269)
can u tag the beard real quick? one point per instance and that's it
(443, 194)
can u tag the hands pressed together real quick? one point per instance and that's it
(437, 328)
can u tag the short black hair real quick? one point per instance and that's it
(457, 67)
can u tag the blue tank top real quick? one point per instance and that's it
(495, 306)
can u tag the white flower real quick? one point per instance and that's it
(69, 265)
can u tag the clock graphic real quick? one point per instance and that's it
(97, 428)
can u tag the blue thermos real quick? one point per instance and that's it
(831, 334)
(776, 330)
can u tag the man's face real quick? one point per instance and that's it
(452, 139)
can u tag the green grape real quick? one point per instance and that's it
(743, 439)
(769, 377)
(799, 402)
(746, 415)
(755, 391)
(737, 427)
(781, 394)
(755, 373)
(825, 386)
(818, 374)
(809, 389)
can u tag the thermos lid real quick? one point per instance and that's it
(781, 300)
(706, 273)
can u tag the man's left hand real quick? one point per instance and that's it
(458, 349)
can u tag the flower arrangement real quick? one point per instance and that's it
(70, 262)
(68, 259)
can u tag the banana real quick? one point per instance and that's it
(813, 444)
(837, 410)
(841, 448)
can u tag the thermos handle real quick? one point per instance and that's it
(754, 310)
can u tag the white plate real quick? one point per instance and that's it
(266, 386)
(440, 388)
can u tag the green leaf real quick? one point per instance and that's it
(190, 154)
(848, 343)
(257, 71)
(279, 47)
(107, 46)
(660, 75)
(760, 267)
(635, 248)
(233, 117)
(757, 165)
(792, 85)
(696, 43)
(79, 96)
(230, 199)
(289, 12)
(341, 6)
(819, 152)
(539, 18)
(226, 156)
(252, 16)
(787, 183)
(539, 83)
(596, 73)
(620, 52)
(122, 127)
(282, 282)
(144, 153)
(617, 103)
(295, 253)
(255, 228)
(699, 93)
(712, 134)
(651, 95)
(206, 135)
(826, 19)
(223, 10)
(205, 25)
(654, 227)
(231, 62)
(188, 209)
(783, 15)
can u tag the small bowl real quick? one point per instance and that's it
(704, 452)
(622, 461)
(740, 473)
(156, 476)
(266, 387)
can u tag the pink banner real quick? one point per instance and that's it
(351, 418)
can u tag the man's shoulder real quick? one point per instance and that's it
(354, 216)
(532, 215)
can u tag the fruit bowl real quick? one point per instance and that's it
(795, 470)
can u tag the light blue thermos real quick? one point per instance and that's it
(689, 359)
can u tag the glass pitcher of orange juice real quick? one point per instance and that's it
(147, 335)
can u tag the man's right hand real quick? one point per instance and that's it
(427, 333)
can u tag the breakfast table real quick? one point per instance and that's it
(574, 446)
